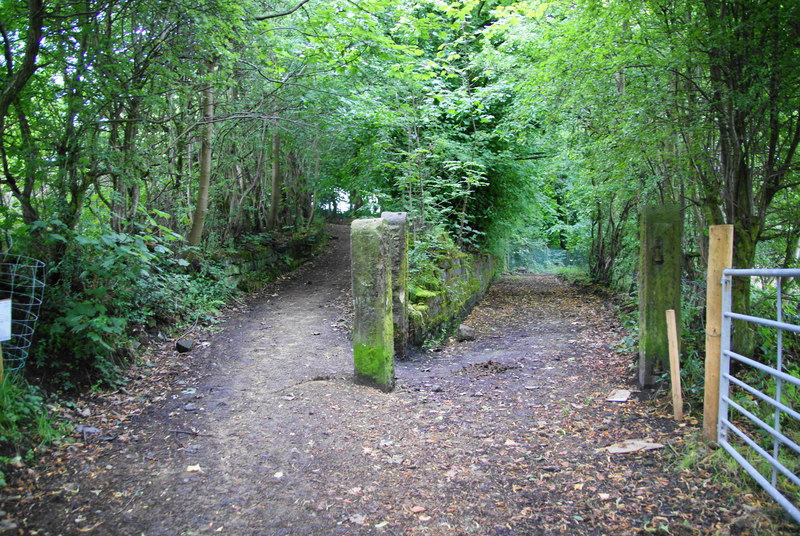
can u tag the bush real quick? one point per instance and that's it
(110, 288)
(26, 425)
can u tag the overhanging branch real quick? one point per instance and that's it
(282, 13)
(534, 156)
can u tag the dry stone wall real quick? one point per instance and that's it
(466, 279)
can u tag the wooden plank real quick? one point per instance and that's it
(720, 257)
(674, 366)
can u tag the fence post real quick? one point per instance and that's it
(720, 257)
(674, 366)
(5, 332)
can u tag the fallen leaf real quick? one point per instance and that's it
(358, 519)
(633, 445)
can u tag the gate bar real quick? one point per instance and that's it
(765, 484)
(764, 454)
(766, 427)
(764, 368)
(757, 272)
(758, 394)
(764, 322)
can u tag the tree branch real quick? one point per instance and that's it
(18, 80)
(534, 156)
(282, 13)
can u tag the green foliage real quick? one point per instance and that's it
(573, 274)
(26, 424)
(498, 123)
(108, 288)
(427, 254)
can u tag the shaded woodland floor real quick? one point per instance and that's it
(261, 431)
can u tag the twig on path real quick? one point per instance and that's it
(188, 331)
(189, 432)
(319, 378)
(133, 496)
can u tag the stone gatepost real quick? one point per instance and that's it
(660, 234)
(398, 231)
(373, 333)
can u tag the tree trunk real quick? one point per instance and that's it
(201, 208)
(17, 80)
(275, 195)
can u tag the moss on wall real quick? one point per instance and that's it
(442, 303)
(264, 258)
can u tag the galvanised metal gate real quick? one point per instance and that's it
(762, 448)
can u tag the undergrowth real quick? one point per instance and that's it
(27, 424)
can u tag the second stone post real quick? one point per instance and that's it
(398, 225)
(373, 333)
(660, 234)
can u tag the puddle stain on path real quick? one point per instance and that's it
(263, 432)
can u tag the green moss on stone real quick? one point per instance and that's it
(373, 334)
(375, 364)
(418, 292)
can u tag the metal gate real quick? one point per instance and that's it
(763, 448)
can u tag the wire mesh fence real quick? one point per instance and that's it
(545, 260)
(22, 282)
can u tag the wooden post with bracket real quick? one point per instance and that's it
(720, 257)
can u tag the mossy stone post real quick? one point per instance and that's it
(398, 232)
(660, 233)
(373, 333)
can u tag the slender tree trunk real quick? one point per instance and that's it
(313, 200)
(275, 196)
(201, 208)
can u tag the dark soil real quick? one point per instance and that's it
(261, 430)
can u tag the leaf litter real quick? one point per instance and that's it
(509, 433)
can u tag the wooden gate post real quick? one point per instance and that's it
(720, 257)
(660, 234)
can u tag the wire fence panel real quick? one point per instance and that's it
(21, 281)
(545, 260)
(757, 424)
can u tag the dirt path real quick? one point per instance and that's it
(262, 432)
